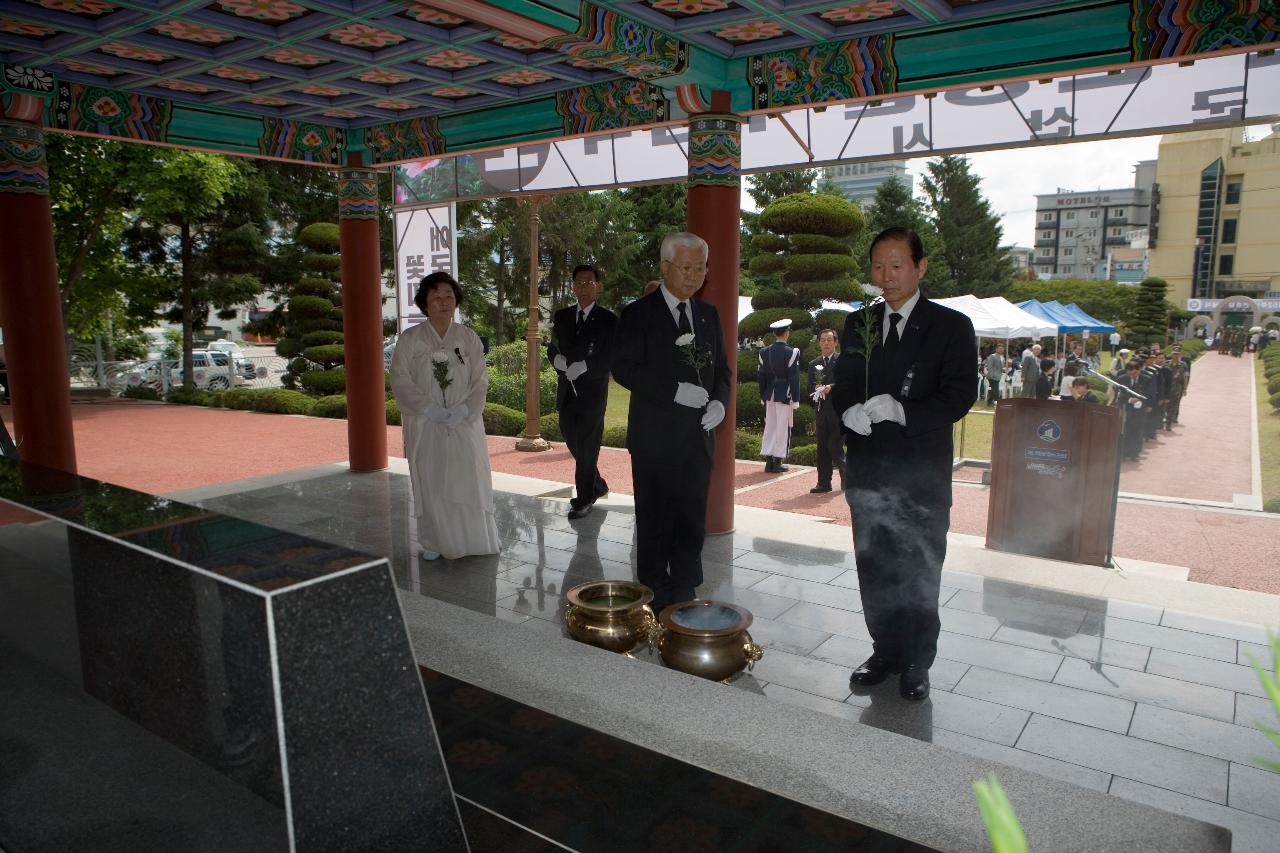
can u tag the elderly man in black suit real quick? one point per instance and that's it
(827, 426)
(904, 377)
(669, 352)
(581, 349)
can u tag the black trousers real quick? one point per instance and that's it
(582, 423)
(993, 391)
(671, 513)
(899, 545)
(830, 445)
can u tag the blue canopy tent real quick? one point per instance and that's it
(1091, 324)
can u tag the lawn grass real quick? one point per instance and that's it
(1268, 442)
(978, 427)
(615, 414)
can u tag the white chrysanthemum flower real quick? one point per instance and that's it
(872, 291)
(817, 367)
(684, 340)
(440, 357)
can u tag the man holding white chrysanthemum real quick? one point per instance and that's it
(669, 352)
(904, 377)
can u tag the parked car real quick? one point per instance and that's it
(243, 366)
(210, 370)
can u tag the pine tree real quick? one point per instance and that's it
(1148, 325)
(971, 256)
(894, 205)
(313, 331)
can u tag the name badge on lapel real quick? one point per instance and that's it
(905, 391)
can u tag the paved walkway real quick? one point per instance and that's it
(160, 448)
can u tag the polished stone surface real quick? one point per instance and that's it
(291, 684)
(1012, 658)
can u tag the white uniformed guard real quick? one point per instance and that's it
(779, 379)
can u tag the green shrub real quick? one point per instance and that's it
(773, 297)
(321, 337)
(500, 420)
(393, 413)
(756, 324)
(333, 406)
(190, 396)
(837, 290)
(750, 409)
(239, 398)
(1275, 401)
(281, 401)
(814, 244)
(215, 398)
(140, 392)
(615, 436)
(766, 265)
(313, 286)
(746, 445)
(327, 354)
(803, 213)
(805, 454)
(1273, 385)
(322, 263)
(288, 347)
(768, 243)
(801, 339)
(323, 383)
(830, 318)
(310, 306)
(815, 267)
(802, 421)
(549, 427)
(508, 390)
(748, 365)
(1272, 505)
(299, 365)
(509, 358)
(320, 237)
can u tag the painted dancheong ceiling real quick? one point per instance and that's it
(315, 81)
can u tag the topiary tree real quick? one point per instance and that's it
(805, 257)
(312, 338)
(1148, 325)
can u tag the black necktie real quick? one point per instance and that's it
(683, 322)
(582, 318)
(891, 342)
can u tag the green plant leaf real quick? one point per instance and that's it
(1003, 829)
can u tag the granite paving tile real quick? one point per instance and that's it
(1261, 654)
(1200, 734)
(1082, 646)
(1250, 710)
(1148, 688)
(966, 715)
(1017, 660)
(1029, 761)
(718, 573)
(802, 590)
(786, 637)
(842, 558)
(1053, 700)
(849, 652)
(1173, 639)
(791, 567)
(964, 622)
(833, 620)
(817, 677)
(1026, 613)
(963, 580)
(1153, 763)
(1249, 833)
(792, 696)
(1245, 631)
(1132, 611)
(1255, 790)
(1228, 676)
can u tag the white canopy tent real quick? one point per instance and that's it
(1017, 323)
(985, 324)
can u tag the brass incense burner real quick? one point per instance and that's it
(613, 615)
(707, 639)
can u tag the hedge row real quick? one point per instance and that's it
(273, 400)
(1271, 372)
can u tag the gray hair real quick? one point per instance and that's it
(682, 240)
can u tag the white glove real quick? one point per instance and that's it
(855, 418)
(436, 414)
(455, 416)
(560, 363)
(795, 406)
(714, 415)
(575, 370)
(883, 407)
(693, 396)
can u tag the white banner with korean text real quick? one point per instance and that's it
(426, 242)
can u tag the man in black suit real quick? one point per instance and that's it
(827, 427)
(669, 352)
(581, 349)
(899, 411)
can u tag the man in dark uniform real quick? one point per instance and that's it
(829, 435)
(1129, 399)
(1166, 392)
(1180, 371)
(778, 376)
(904, 377)
(580, 350)
(1150, 375)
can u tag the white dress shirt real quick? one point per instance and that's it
(904, 311)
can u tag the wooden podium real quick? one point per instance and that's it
(1054, 480)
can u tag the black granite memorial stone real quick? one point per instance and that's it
(195, 667)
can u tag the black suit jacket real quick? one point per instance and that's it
(594, 345)
(647, 362)
(932, 376)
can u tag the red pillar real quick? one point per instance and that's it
(362, 317)
(30, 305)
(714, 202)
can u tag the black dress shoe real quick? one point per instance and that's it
(873, 671)
(779, 468)
(601, 493)
(580, 511)
(914, 683)
(819, 490)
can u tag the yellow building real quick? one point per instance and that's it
(1213, 229)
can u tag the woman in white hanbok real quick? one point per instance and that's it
(444, 427)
